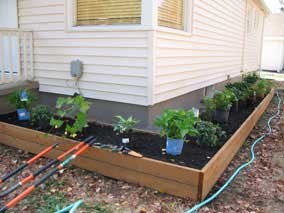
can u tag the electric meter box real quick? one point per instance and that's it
(76, 69)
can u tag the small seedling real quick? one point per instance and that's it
(123, 125)
(76, 107)
(41, 116)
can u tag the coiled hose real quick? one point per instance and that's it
(258, 140)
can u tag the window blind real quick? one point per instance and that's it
(108, 12)
(171, 14)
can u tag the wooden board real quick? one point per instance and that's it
(217, 165)
(164, 177)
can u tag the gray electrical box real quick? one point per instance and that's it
(76, 69)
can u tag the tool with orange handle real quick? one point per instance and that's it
(44, 168)
(26, 164)
(24, 194)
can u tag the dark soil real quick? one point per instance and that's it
(149, 144)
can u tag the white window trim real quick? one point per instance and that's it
(188, 21)
(149, 20)
(147, 16)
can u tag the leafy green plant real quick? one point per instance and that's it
(251, 78)
(123, 125)
(176, 124)
(260, 88)
(41, 115)
(210, 108)
(14, 99)
(209, 134)
(223, 100)
(76, 107)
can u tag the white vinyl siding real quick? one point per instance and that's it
(115, 63)
(213, 52)
(253, 41)
(145, 66)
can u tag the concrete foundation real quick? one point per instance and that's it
(105, 111)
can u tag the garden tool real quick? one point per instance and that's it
(44, 168)
(30, 189)
(28, 163)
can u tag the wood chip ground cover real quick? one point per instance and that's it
(259, 188)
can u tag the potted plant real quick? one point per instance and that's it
(209, 134)
(176, 125)
(22, 100)
(123, 127)
(41, 116)
(223, 101)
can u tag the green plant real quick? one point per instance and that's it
(251, 78)
(176, 124)
(223, 100)
(76, 107)
(123, 125)
(269, 86)
(209, 134)
(41, 114)
(210, 108)
(261, 88)
(14, 99)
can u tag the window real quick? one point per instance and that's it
(171, 13)
(108, 12)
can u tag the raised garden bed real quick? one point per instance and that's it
(191, 178)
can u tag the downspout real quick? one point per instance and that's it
(262, 42)
(244, 36)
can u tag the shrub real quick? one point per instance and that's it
(261, 88)
(251, 78)
(41, 115)
(14, 99)
(123, 125)
(209, 108)
(223, 100)
(76, 107)
(176, 124)
(209, 134)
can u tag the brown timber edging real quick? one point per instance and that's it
(165, 177)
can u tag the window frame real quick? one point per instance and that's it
(187, 20)
(149, 19)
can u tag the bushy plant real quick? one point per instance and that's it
(14, 99)
(261, 88)
(123, 125)
(209, 134)
(251, 78)
(41, 115)
(210, 108)
(223, 100)
(176, 124)
(76, 107)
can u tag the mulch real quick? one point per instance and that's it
(259, 188)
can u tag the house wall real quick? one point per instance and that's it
(218, 47)
(253, 41)
(115, 63)
(273, 46)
